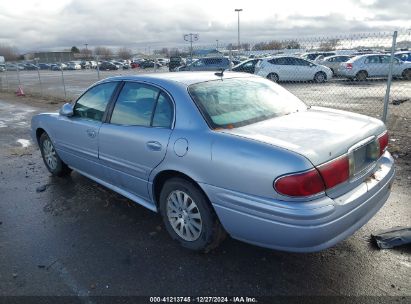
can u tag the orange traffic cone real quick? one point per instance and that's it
(20, 92)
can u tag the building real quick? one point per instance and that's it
(50, 57)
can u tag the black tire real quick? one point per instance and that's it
(212, 233)
(320, 77)
(361, 76)
(60, 168)
(407, 74)
(273, 77)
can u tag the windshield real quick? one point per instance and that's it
(236, 102)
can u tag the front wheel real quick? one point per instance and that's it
(273, 77)
(407, 74)
(361, 76)
(189, 217)
(52, 161)
(320, 77)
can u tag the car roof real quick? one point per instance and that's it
(186, 78)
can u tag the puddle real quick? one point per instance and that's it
(24, 142)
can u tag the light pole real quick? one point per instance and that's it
(217, 44)
(238, 10)
(191, 38)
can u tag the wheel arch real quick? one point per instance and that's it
(39, 131)
(162, 176)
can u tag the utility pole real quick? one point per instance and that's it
(238, 10)
(217, 44)
(191, 38)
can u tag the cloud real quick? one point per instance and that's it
(143, 24)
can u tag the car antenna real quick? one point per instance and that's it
(220, 74)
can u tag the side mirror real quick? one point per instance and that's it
(66, 110)
(312, 65)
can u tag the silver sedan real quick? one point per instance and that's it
(218, 153)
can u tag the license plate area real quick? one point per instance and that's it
(362, 156)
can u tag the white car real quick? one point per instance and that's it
(73, 66)
(289, 68)
(374, 65)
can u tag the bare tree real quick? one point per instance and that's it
(9, 53)
(86, 53)
(103, 52)
(124, 53)
(329, 45)
(292, 44)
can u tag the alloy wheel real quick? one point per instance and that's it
(184, 215)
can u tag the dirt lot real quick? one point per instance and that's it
(78, 238)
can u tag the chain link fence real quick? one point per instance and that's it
(366, 73)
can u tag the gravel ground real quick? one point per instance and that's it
(77, 238)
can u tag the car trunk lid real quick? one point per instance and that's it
(320, 135)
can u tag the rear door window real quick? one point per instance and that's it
(142, 105)
(135, 105)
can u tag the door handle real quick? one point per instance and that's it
(91, 133)
(154, 145)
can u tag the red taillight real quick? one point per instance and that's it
(348, 66)
(300, 184)
(383, 141)
(335, 172)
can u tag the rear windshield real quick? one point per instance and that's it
(236, 102)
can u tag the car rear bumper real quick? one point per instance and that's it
(302, 226)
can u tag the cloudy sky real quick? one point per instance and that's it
(53, 24)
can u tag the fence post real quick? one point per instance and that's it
(18, 74)
(155, 63)
(389, 80)
(38, 73)
(7, 79)
(62, 78)
(98, 68)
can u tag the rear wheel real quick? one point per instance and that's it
(320, 77)
(273, 77)
(361, 75)
(189, 217)
(52, 161)
(407, 74)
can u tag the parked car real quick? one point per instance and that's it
(312, 56)
(93, 64)
(85, 65)
(207, 64)
(134, 65)
(376, 65)
(289, 68)
(106, 65)
(73, 66)
(247, 66)
(14, 67)
(175, 62)
(58, 66)
(163, 61)
(404, 55)
(224, 152)
(334, 62)
(30, 67)
(2, 67)
(145, 64)
(44, 66)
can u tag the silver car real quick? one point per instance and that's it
(334, 62)
(291, 68)
(218, 153)
(374, 65)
